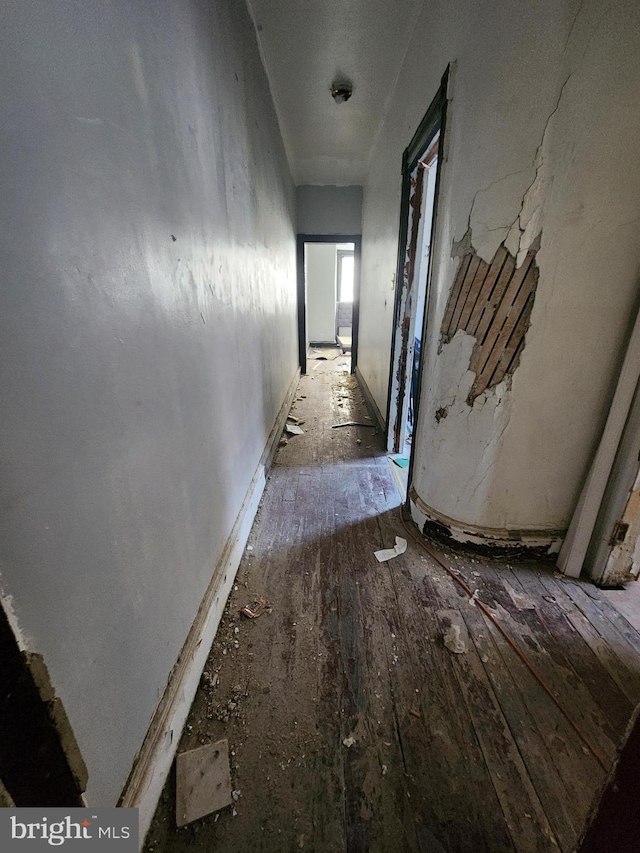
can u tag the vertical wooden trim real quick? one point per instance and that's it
(402, 251)
(432, 123)
(302, 305)
(427, 297)
(355, 315)
(407, 301)
(574, 547)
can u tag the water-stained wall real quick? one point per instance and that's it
(540, 155)
(147, 336)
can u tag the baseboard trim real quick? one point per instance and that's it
(371, 403)
(493, 539)
(155, 757)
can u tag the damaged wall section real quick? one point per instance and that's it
(539, 140)
(492, 303)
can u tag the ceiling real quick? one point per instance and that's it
(308, 44)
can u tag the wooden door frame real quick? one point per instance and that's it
(434, 121)
(590, 503)
(356, 239)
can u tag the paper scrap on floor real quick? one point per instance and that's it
(388, 553)
(400, 461)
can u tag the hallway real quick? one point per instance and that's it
(456, 752)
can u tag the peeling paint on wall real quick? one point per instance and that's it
(492, 303)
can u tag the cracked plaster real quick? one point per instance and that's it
(541, 146)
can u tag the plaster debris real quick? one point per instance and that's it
(452, 640)
(293, 429)
(389, 553)
(349, 741)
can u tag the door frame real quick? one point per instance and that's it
(301, 239)
(591, 512)
(434, 121)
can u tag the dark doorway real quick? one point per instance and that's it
(34, 767)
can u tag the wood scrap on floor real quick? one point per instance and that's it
(203, 782)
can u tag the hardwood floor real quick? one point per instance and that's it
(454, 752)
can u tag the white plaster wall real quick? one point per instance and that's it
(329, 209)
(541, 139)
(320, 275)
(147, 335)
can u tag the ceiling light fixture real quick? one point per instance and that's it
(341, 92)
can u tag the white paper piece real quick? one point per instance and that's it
(387, 553)
(292, 429)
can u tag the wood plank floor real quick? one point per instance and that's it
(454, 752)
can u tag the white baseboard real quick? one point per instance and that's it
(155, 757)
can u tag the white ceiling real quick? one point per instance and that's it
(306, 45)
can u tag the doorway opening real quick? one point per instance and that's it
(328, 290)
(421, 165)
(40, 762)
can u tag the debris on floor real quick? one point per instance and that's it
(452, 640)
(203, 782)
(350, 423)
(400, 461)
(349, 741)
(325, 354)
(293, 429)
(388, 553)
(253, 610)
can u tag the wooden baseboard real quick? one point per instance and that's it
(153, 761)
(371, 403)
